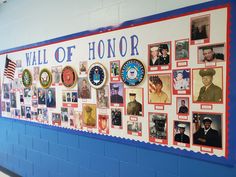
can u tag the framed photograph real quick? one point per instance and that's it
(182, 49)
(181, 82)
(27, 93)
(22, 110)
(6, 91)
(51, 98)
(103, 97)
(115, 71)
(134, 102)
(3, 106)
(208, 85)
(18, 63)
(28, 112)
(182, 106)
(34, 91)
(211, 54)
(159, 89)
(41, 96)
(159, 56)
(134, 128)
(84, 89)
(117, 94)
(207, 130)
(35, 103)
(158, 127)
(36, 74)
(103, 124)
(8, 106)
(13, 100)
(56, 75)
(89, 115)
(56, 119)
(116, 118)
(64, 117)
(200, 29)
(182, 133)
(83, 67)
(69, 98)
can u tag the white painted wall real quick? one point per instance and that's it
(28, 21)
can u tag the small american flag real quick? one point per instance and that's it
(10, 67)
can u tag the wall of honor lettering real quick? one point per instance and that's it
(163, 82)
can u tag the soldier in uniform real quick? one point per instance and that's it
(159, 128)
(154, 57)
(89, 119)
(181, 137)
(134, 107)
(207, 136)
(183, 109)
(102, 99)
(210, 56)
(115, 97)
(164, 58)
(116, 117)
(209, 92)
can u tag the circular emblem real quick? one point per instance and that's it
(132, 72)
(97, 75)
(68, 76)
(26, 78)
(45, 78)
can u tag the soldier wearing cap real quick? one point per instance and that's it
(180, 51)
(90, 120)
(164, 58)
(181, 136)
(102, 99)
(115, 97)
(209, 92)
(207, 136)
(134, 107)
(154, 58)
(159, 128)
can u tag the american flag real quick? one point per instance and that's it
(10, 67)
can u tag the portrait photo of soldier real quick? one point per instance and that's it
(22, 108)
(74, 97)
(159, 54)
(211, 53)
(27, 92)
(103, 126)
(115, 68)
(134, 127)
(64, 114)
(13, 100)
(51, 98)
(36, 73)
(6, 91)
(56, 118)
(117, 91)
(8, 106)
(182, 105)
(84, 89)
(41, 96)
(116, 117)
(89, 115)
(182, 132)
(182, 49)
(28, 112)
(3, 106)
(68, 97)
(207, 129)
(200, 28)
(103, 97)
(56, 75)
(207, 85)
(34, 91)
(157, 126)
(134, 102)
(159, 89)
(181, 81)
(83, 67)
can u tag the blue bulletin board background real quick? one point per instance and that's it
(232, 83)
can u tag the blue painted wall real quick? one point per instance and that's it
(35, 151)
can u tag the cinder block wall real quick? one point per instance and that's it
(32, 150)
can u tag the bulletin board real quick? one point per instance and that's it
(157, 82)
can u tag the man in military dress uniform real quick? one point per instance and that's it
(181, 136)
(210, 56)
(116, 98)
(207, 136)
(209, 92)
(155, 58)
(134, 107)
(164, 58)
